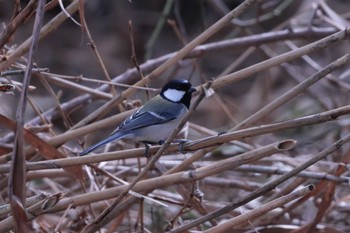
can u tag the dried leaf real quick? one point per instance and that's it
(45, 149)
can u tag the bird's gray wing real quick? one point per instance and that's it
(145, 116)
(145, 119)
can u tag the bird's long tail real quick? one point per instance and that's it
(113, 137)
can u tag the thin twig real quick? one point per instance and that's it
(107, 215)
(17, 180)
(16, 21)
(171, 61)
(257, 212)
(289, 95)
(96, 52)
(267, 187)
(178, 178)
(45, 30)
(201, 50)
(189, 146)
(246, 72)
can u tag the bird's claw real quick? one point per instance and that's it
(180, 141)
(198, 193)
(146, 150)
(182, 145)
(221, 133)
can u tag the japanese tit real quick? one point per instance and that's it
(155, 121)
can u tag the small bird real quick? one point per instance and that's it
(155, 121)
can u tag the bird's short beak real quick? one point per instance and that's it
(192, 90)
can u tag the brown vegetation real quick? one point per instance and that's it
(268, 127)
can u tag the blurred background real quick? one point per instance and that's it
(160, 28)
(66, 51)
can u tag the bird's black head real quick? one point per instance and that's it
(178, 91)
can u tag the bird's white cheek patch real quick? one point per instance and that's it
(174, 95)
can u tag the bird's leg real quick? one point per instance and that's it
(197, 191)
(147, 145)
(182, 144)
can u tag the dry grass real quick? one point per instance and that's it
(269, 147)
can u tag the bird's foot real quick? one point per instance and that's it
(221, 133)
(147, 146)
(182, 144)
